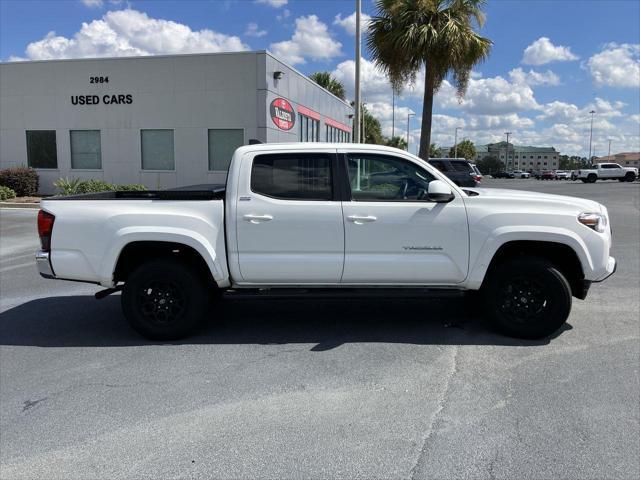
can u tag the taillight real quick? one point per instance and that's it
(45, 227)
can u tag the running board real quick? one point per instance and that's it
(351, 293)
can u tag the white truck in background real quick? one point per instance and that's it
(328, 216)
(607, 171)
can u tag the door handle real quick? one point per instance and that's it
(257, 218)
(359, 220)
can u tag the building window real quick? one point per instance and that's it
(309, 129)
(532, 156)
(539, 156)
(336, 135)
(545, 157)
(222, 144)
(299, 176)
(157, 149)
(41, 149)
(86, 153)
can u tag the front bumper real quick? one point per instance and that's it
(612, 266)
(44, 264)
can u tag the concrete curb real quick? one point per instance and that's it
(19, 205)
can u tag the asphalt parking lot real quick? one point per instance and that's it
(386, 388)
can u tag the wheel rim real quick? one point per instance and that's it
(523, 299)
(161, 302)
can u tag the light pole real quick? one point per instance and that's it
(592, 112)
(409, 115)
(455, 142)
(356, 130)
(609, 154)
(506, 153)
(393, 112)
(364, 139)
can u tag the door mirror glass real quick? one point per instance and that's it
(440, 192)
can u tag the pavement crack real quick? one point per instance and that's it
(29, 404)
(436, 418)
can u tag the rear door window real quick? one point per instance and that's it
(296, 176)
(462, 167)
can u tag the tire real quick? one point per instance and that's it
(629, 177)
(542, 300)
(165, 300)
(592, 177)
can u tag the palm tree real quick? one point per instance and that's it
(328, 82)
(397, 142)
(439, 35)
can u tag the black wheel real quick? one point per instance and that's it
(592, 177)
(630, 177)
(527, 298)
(164, 300)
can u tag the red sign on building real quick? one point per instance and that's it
(282, 114)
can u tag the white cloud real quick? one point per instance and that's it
(93, 3)
(534, 78)
(254, 31)
(286, 13)
(542, 51)
(349, 23)
(489, 96)
(273, 3)
(616, 65)
(310, 39)
(130, 32)
(374, 85)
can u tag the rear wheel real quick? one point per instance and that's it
(527, 298)
(164, 300)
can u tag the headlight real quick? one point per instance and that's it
(595, 221)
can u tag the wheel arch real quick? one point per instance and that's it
(561, 255)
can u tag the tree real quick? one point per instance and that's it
(372, 128)
(328, 82)
(466, 149)
(490, 164)
(439, 35)
(397, 142)
(434, 151)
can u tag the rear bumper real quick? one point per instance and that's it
(44, 264)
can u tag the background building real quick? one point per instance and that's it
(163, 121)
(626, 159)
(518, 157)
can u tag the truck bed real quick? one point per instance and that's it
(191, 192)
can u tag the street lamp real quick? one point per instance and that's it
(455, 142)
(506, 153)
(592, 112)
(609, 154)
(356, 130)
(409, 115)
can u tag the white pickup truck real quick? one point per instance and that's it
(607, 171)
(313, 217)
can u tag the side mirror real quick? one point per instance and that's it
(439, 192)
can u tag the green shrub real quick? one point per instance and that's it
(94, 186)
(131, 187)
(66, 186)
(77, 186)
(23, 181)
(6, 193)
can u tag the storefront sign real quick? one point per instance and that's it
(282, 114)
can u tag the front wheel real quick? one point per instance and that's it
(630, 177)
(527, 298)
(592, 177)
(164, 299)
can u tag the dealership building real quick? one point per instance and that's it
(163, 121)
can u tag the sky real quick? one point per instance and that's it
(552, 62)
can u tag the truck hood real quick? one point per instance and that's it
(573, 202)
